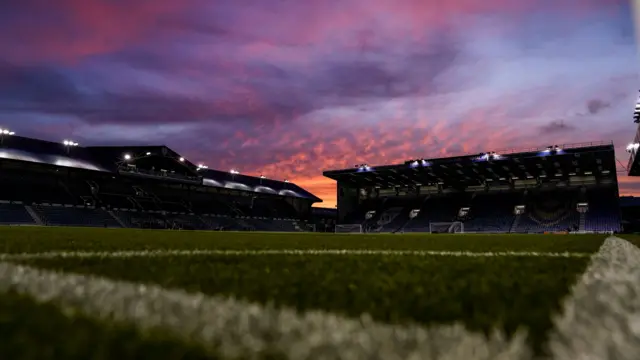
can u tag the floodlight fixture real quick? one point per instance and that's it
(234, 171)
(70, 143)
(148, 153)
(633, 147)
(285, 180)
(4, 131)
(127, 156)
(262, 177)
(181, 159)
(202, 166)
(413, 163)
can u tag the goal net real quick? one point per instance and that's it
(349, 228)
(446, 227)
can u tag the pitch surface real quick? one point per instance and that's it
(412, 285)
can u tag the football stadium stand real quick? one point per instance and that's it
(558, 188)
(64, 184)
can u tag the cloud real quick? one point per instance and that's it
(288, 89)
(35, 85)
(556, 126)
(595, 106)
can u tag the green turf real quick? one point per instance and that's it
(483, 293)
(32, 331)
(38, 239)
(632, 238)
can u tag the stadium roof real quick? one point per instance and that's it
(548, 162)
(115, 158)
(45, 152)
(629, 201)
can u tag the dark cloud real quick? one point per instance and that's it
(556, 126)
(357, 79)
(35, 85)
(594, 106)
(48, 90)
(389, 77)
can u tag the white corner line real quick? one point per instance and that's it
(601, 317)
(293, 252)
(242, 330)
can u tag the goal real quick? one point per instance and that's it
(349, 228)
(446, 227)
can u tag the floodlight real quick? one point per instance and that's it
(633, 147)
(148, 153)
(5, 132)
(234, 171)
(285, 180)
(181, 159)
(11, 133)
(262, 177)
(127, 156)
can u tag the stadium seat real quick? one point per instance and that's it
(604, 211)
(492, 212)
(14, 214)
(548, 211)
(75, 216)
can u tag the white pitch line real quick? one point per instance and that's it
(165, 253)
(237, 329)
(601, 318)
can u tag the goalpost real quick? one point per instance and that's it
(348, 228)
(453, 227)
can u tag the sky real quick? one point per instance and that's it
(289, 88)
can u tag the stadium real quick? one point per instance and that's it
(555, 188)
(129, 252)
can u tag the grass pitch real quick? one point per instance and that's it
(483, 293)
(40, 239)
